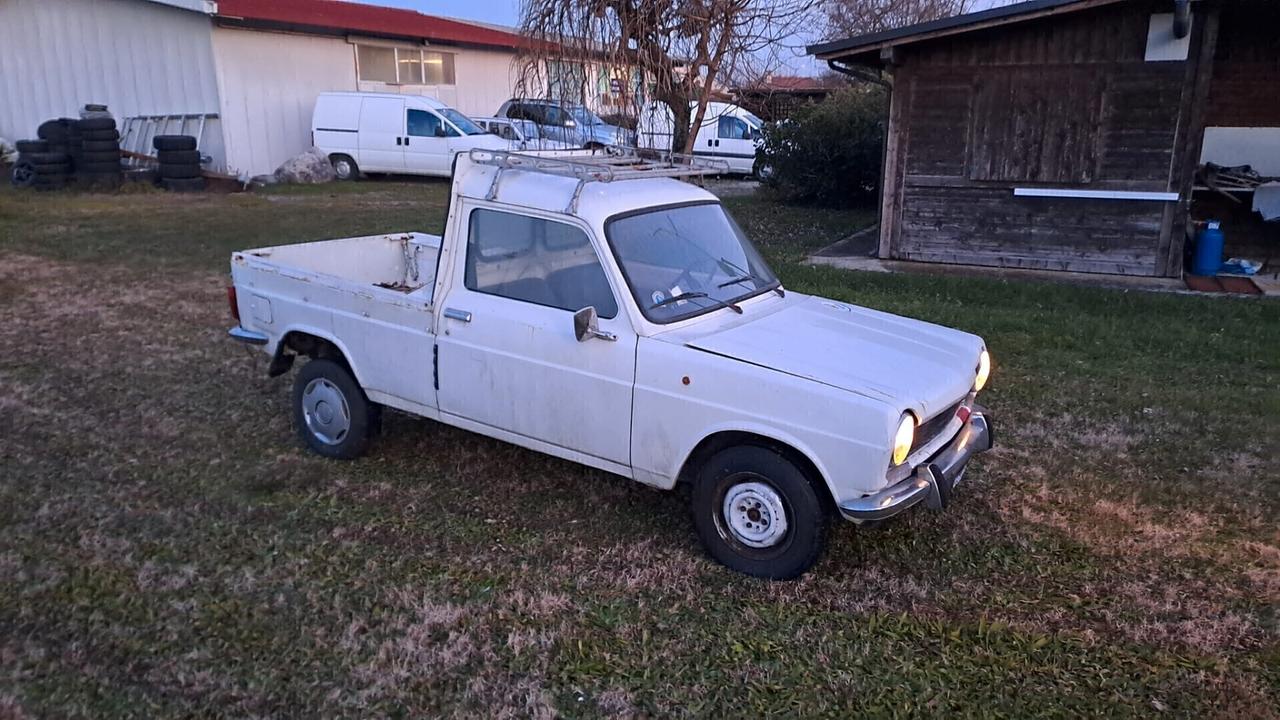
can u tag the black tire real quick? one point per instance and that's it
(759, 475)
(99, 168)
(168, 143)
(32, 146)
(182, 185)
(97, 124)
(345, 167)
(55, 130)
(184, 171)
(23, 174)
(319, 386)
(100, 156)
(46, 158)
(179, 157)
(94, 146)
(53, 168)
(98, 135)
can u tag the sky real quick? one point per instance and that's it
(507, 12)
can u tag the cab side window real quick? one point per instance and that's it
(425, 124)
(536, 261)
(732, 128)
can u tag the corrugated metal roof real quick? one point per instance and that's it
(958, 23)
(355, 17)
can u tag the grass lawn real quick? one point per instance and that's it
(167, 549)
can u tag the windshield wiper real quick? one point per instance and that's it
(776, 288)
(694, 296)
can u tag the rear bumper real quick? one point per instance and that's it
(248, 337)
(933, 480)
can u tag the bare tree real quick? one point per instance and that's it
(846, 18)
(674, 51)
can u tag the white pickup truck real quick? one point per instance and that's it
(597, 308)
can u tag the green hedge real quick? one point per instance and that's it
(829, 153)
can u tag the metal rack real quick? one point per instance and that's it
(610, 165)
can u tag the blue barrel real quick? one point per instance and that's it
(1208, 257)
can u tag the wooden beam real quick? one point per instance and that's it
(891, 180)
(1190, 139)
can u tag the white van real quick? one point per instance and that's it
(727, 132)
(388, 133)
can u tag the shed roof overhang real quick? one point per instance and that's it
(867, 49)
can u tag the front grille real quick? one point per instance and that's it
(929, 429)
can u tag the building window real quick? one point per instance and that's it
(377, 64)
(404, 66)
(439, 68)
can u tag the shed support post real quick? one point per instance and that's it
(1187, 146)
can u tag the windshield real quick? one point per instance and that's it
(463, 122)
(687, 260)
(583, 116)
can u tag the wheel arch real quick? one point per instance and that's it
(789, 448)
(311, 343)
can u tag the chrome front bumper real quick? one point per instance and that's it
(933, 480)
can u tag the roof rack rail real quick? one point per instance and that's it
(610, 165)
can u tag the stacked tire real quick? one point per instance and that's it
(41, 167)
(99, 164)
(179, 163)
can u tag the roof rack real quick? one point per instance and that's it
(610, 165)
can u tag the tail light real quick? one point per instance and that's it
(231, 300)
(963, 413)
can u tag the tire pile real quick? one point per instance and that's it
(99, 164)
(40, 167)
(179, 163)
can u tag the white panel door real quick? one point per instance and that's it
(508, 357)
(426, 145)
(382, 135)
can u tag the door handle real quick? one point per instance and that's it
(406, 142)
(454, 314)
(398, 142)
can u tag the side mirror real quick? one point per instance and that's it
(586, 325)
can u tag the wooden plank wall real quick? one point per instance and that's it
(1067, 102)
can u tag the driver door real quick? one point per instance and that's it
(427, 147)
(508, 356)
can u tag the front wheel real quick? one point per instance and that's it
(331, 412)
(759, 514)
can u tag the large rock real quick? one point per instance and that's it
(8, 152)
(310, 168)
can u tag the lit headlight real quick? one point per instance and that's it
(984, 370)
(903, 438)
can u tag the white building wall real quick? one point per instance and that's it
(139, 58)
(269, 82)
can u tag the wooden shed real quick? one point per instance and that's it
(1066, 134)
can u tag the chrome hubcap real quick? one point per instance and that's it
(326, 412)
(755, 514)
(342, 168)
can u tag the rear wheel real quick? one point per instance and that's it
(345, 167)
(758, 513)
(331, 412)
